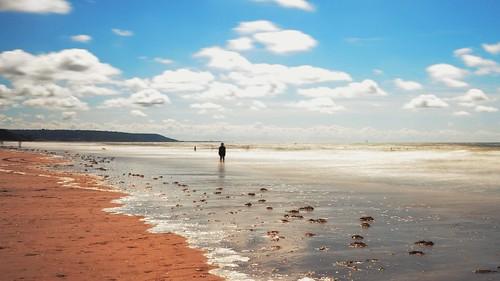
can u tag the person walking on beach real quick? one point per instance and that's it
(222, 152)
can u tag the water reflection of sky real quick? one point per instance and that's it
(342, 183)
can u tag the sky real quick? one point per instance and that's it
(335, 71)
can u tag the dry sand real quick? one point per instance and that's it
(49, 231)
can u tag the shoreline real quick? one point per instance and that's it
(53, 227)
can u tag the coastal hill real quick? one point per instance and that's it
(79, 136)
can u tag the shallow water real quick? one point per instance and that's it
(449, 194)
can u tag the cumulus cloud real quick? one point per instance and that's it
(273, 38)
(163, 60)
(461, 113)
(217, 91)
(143, 98)
(138, 113)
(6, 96)
(366, 88)
(251, 27)
(257, 105)
(207, 107)
(322, 105)
(58, 103)
(122, 32)
(240, 44)
(493, 49)
(260, 79)
(425, 101)
(91, 90)
(181, 80)
(482, 108)
(483, 66)
(69, 65)
(82, 38)
(407, 85)
(36, 6)
(292, 4)
(447, 74)
(68, 115)
(56, 80)
(473, 95)
(285, 41)
(223, 59)
(172, 81)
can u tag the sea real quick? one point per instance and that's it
(313, 211)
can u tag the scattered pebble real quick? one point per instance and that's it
(358, 244)
(365, 225)
(424, 243)
(306, 208)
(357, 237)
(416, 253)
(366, 219)
(483, 271)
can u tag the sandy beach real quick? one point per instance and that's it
(52, 231)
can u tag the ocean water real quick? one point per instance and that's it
(246, 212)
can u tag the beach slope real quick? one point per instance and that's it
(52, 231)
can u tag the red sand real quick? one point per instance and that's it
(52, 232)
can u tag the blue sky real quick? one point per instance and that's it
(314, 71)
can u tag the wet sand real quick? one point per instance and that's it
(52, 227)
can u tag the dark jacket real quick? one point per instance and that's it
(222, 150)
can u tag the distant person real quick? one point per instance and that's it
(222, 152)
(195, 148)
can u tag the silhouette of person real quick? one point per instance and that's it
(222, 152)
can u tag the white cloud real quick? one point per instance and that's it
(143, 98)
(462, 51)
(91, 90)
(293, 4)
(69, 65)
(273, 38)
(56, 80)
(378, 71)
(68, 115)
(250, 27)
(484, 66)
(461, 113)
(285, 41)
(407, 85)
(425, 101)
(207, 107)
(321, 105)
(181, 80)
(447, 74)
(482, 108)
(223, 59)
(473, 95)
(122, 32)
(82, 38)
(58, 103)
(493, 49)
(366, 88)
(260, 79)
(257, 105)
(6, 96)
(163, 60)
(36, 6)
(217, 91)
(138, 113)
(240, 44)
